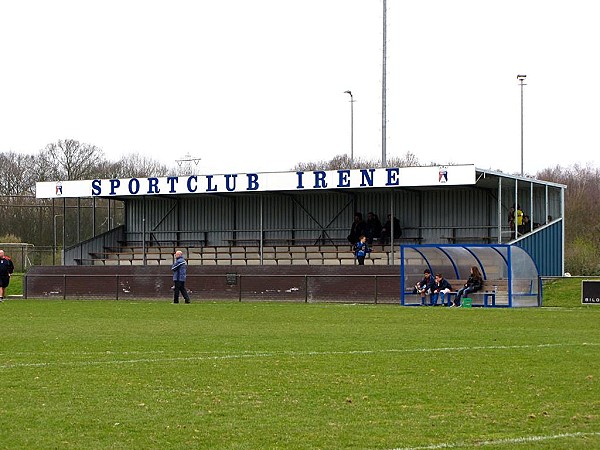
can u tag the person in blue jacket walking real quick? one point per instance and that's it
(179, 269)
(361, 249)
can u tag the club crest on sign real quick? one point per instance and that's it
(443, 176)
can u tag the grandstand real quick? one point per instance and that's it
(278, 220)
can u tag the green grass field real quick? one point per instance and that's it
(150, 374)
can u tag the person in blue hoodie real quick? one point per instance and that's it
(179, 269)
(361, 249)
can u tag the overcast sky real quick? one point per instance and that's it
(259, 85)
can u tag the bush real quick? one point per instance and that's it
(10, 239)
(581, 257)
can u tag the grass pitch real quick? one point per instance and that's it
(150, 374)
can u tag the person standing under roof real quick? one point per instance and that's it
(519, 215)
(386, 231)
(373, 227)
(358, 228)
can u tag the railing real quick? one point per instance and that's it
(97, 250)
(306, 236)
(19, 254)
(315, 236)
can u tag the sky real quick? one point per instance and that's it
(258, 86)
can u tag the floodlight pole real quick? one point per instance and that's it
(521, 79)
(383, 89)
(351, 126)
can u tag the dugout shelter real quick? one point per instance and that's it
(511, 277)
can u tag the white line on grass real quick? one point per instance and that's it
(521, 440)
(267, 354)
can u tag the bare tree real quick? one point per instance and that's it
(18, 174)
(71, 159)
(136, 165)
(408, 160)
(131, 166)
(28, 218)
(338, 162)
(343, 162)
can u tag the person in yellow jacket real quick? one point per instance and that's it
(519, 219)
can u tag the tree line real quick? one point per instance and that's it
(30, 220)
(582, 210)
(69, 160)
(27, 219)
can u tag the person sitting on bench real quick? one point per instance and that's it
(425, 286)
(441, 287)
(473, 284)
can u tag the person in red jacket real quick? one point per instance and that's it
(6, 270)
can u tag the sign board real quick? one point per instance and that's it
(387, 177)
(231, 279)
(590, 292)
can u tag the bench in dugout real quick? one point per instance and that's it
(494, 292)
(487, 296)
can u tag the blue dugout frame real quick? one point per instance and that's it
(510, 265)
